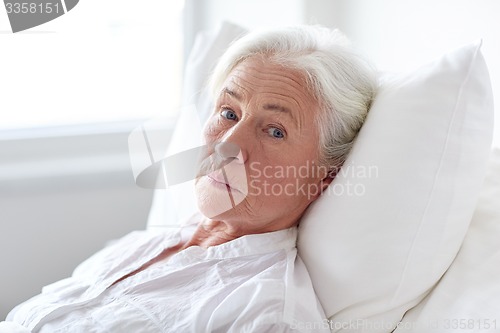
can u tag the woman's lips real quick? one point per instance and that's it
(218, 178)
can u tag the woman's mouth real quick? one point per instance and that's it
(218, 178)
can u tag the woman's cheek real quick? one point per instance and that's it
(212, 129)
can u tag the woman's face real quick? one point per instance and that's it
(264, 126)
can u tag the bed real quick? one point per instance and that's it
(414, 246)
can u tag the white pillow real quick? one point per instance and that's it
(392, 221)
(468, 296)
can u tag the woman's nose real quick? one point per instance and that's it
(229, 151)
(235, 142)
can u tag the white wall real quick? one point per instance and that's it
(251, 14)
(398, 35)
(61, 199)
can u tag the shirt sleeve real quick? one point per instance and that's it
(12, 327)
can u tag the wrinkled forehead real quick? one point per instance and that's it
(263, 75)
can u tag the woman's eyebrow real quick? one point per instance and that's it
(232, 93)
(281, 109)
(277, 107)
(268, 106)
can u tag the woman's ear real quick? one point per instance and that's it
(325, 182)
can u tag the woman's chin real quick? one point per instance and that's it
(216, 211)
(217, 200)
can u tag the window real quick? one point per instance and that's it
(103, 61)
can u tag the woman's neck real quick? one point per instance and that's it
(211, 233)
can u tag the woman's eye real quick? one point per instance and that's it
(229, 114)
(276, 133)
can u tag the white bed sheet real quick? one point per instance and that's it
(467, 299)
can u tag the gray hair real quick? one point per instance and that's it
(340, 79)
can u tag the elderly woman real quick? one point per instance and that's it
(287, 100)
